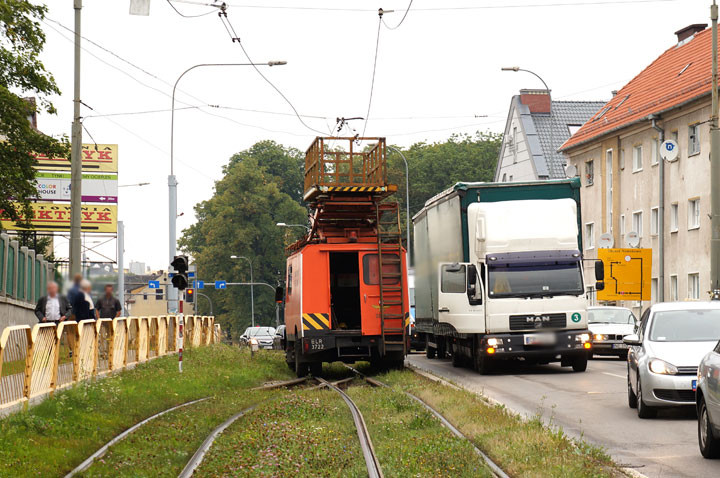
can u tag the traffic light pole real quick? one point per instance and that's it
(181, 332)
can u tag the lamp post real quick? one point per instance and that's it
(252, 289)
(172, 180)
(282, 224)
(517, 68)
(407, 200)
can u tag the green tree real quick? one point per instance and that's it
(437, 166)
(240, 220)
(21, 71)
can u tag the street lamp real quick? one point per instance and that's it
(282, 224)
(407, 200)
(516, 69)
(172, 181)
(252, 290)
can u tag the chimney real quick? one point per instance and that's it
(690, 30)
(538, 101)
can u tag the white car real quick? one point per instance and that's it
(608, 326)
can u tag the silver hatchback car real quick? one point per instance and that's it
(665, 353)
(708, 404)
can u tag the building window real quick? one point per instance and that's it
(694, 213)
(637, 158)
(589, 172)
(637, 223)
(159, 294)
(694, 286)
(653, 290)
(622, 159)
(654, 152)
(504, 179)
(144, 295)
(673, 288)
(511, 178)
(654, 221)
(590, 235)
(693, 139)
(622, 224)
(674, 222)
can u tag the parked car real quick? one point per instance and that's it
(263, 335)
(665, 353)
(608, 326)
(707, 401)
(279, 337)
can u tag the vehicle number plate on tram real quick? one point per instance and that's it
(539, 339)
(317, 344)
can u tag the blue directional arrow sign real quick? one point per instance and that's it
(154, 284)
(191, 274)
(220, 284)
(199, 284)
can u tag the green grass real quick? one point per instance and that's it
(522, 448)
(410, 441)
(55, 436)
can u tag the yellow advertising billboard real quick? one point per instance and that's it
(52, 217)
(103, 158)
(628, 274)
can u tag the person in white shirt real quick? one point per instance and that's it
(52, 307)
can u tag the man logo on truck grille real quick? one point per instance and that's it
(576, 317)
(537, 321)
(316, 321)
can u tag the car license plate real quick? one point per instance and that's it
(539, 339)
(619, 346)
(694, 385)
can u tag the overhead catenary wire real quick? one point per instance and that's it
(401, 20)
(236, 39)
(372, 82)
(189, 16)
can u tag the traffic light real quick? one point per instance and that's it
(180, 279)
(190, 296)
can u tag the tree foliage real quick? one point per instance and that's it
(22, 72)
(240, 219)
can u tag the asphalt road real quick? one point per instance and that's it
(592, 405)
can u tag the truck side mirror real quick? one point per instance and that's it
(599, 271)
(279, 294)
(600, 285)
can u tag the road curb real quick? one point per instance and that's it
(431, 376)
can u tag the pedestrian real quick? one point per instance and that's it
(83, 306)
(109, 306)
(52, 307)
(73, 292)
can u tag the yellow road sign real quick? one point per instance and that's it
(103, 158)
(628, 274)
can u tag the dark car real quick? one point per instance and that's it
(279, 338)
(263, 335)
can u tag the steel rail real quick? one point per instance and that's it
(496, 470)
(287, 383)
(371, 461)
(198, 456)
(86, 464)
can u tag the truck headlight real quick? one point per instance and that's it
(494, 342)
(662, 367)
(582, 338)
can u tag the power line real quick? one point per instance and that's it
(372, 83)
(189, 16)
(236, 39)
(401, 20)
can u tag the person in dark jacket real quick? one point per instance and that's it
(52, 307)
(108, 305)
(74, 292)
(82, 306)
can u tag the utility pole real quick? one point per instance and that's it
(715, 165)
(76, 159)
(121, 265)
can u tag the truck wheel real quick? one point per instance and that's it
(441, 348)
(430, 352)
(482, 363)
(301, 368)
(457, 359)
(709, 445)
(579, 364)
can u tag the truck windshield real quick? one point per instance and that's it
(535, 280)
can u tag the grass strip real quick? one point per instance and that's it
(522, 448)
(410, 441)
(303, 434)
(55, 436)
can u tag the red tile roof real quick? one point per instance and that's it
(681, 74)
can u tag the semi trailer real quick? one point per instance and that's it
(499, 274)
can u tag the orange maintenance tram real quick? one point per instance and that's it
(346, 283)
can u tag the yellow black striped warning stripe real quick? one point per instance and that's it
(407, 319)
(316, 321)
(356, 189)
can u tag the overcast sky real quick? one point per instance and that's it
(435, 75)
